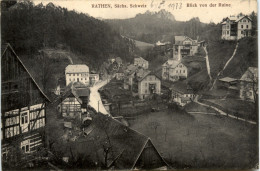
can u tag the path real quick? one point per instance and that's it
(225, 66)
(207, 62)
(95, 99)
(222, 112)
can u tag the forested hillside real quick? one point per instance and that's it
(151, 27)
(29, 28)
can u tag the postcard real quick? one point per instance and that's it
(129, 85)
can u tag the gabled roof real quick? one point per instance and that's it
(182, 87)
(145, 74)
(126, 144)
(4, 48)
(180, 39)
(241, 17)
(140, 58)
(227, 79)
(250, 75)
(173, 63)
(76, 68)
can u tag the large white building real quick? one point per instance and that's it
(236, 27)
(173, 70)
(184, 46)
(77, 73)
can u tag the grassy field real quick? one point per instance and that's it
(200, 141)
(219, 53)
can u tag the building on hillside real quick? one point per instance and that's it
(184, 46)
(119, 61)
(249, 84)
(236, 27)
(129, 75)
(162, 46)
(129, 149)
(174, 70)
(23, 108)
(93, 78)
(181, 93)
(139, 61)
(227, 82)
(77, 73)
(148, 85)
(73, 103)
(120, 74)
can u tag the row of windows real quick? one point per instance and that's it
(12, 131)
(12, 121)
(38, 124)
(242, 26)
(83, 75)
(180, 71)
(74, 79)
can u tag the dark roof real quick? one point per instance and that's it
(3, 50)
(126, 144)
(182, 87)
(146, 74)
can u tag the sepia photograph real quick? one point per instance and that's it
(129, 85)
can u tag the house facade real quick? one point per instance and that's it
(236, 27)
(173, 70)
(77, 73)
(23, 108)
(74, 102)
(184, 46)
(249, 84)
(181, 94)
(141, 62)
(148, 84)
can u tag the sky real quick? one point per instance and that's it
(179, 8)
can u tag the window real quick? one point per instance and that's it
(73, 74)
(227, 32)
(69, 74)
(25, 146)
(246, 26)
(145, 91)
(180, 66)
(176, 71)
(77, 74)
(244, 21)
(242, 32)
(24, 117)
(183, 71)
(241, 26)
(180, 71)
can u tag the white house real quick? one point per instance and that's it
(173, 70)
(236, 27)
(184, 46)
(77, 73)
(94, 78)
(148, 84)
(181, 93)
(141, 62)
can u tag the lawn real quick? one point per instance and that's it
(200, 141)
(240, 108)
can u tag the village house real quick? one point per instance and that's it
(23, 108)
(184, 46)
(139, 61)
(236, 27)
(120, 74)
(73, 103)
(162, 46)
(181, 93)
(174, 70)
(77, 73)
(116, 146)
(119, 61)
(148, 85)
(129, 76)
(249, 84)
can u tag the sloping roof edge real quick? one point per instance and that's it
(8, 45)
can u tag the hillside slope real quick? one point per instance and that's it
(29, 28)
